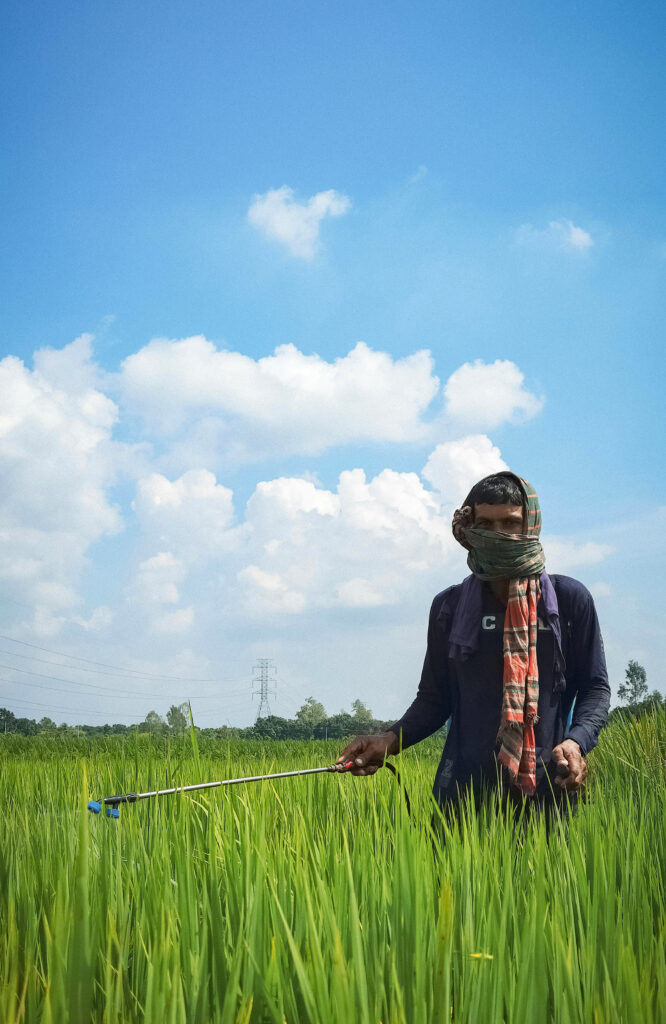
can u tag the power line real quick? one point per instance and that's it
(295, 691)
(96, 671)
(102, 695)
(122, 670)
(57, 710)
(100, 690)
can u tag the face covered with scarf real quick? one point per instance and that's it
(519, 559)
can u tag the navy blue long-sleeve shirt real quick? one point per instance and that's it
(469, 692)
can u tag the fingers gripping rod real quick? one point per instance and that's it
(112, 802)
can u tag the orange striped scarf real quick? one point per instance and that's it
(520, 698)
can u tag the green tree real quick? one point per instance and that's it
(634, 688)
(309, 717)
(272, 727)
(153, 723)
(27, 726)
(47, 725)
(362, 716)
(178, 717)
(7, 720)
(335, 727)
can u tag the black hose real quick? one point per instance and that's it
(392, 768)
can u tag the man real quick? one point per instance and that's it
(509, 651)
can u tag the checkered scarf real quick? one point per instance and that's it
(518, 558)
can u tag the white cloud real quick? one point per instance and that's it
(360, 593)
(284, 402)
(368, 543)
(195, 499)
(563, 234)
(573, 237)
(455, 466)
(487, 394)
(295, 495)
(268, 591)
(218, 407)
(299, 546)
(155, 588)
(174, 622)
(158, 578)
(100, 618)
(57, 463)
(295, 225)
(563, 555)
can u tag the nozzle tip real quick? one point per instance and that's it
(112, 812)
(95, 806)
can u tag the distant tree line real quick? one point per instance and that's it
(310, 722)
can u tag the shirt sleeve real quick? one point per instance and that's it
(432, 706)
(591, 677)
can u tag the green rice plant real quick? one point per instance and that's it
(319, 899)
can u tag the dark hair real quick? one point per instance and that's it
(497, 489)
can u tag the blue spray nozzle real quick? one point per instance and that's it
(95, 806)
(112, 812)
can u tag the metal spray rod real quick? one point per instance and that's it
(112, 802)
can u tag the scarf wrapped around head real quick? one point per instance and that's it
(518, 558)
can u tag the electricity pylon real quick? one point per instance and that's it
(264, 678)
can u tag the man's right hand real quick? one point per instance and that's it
(367, 752)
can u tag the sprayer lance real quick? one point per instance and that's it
(112, 802)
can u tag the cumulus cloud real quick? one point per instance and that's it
(155, 588)
(363, 545)
(100, 618)
(455, 466)
(287, 401)
(192, 514)
(563, 555)
(562, 234)
(487, 394)
(296, 225)
(360, 593)
(298, 546)
(57, 464)
(220, 407)
(268, 591)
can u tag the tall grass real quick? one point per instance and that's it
(318, 899)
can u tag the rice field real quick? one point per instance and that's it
(318, 899)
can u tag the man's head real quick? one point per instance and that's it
(498, 504)
(499, 524)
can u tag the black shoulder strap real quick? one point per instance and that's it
(566, 623)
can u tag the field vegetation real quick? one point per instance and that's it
(319, 899)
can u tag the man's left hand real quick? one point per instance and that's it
(568, 755)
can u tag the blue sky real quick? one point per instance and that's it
(492, 183)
